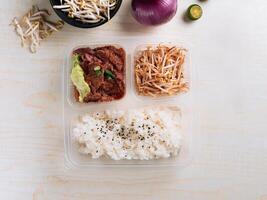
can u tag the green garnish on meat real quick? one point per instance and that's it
(108, 74)
(77, 77)
(97, 70)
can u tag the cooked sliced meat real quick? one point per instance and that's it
(107, 86)
(91, 59)
(106, 98)
(93, 98)
(108, 55)
(119, 76)
(88, 57)
(82, 51)
(95, 63)
(120, 52)
(108, 66)
(94, 83)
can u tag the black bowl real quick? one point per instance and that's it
(79, 24)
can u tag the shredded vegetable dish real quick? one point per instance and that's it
(34, 27)
(159, 71)
(88, 11)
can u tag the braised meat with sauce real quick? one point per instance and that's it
(103, 71)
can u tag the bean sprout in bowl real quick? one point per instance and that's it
(86, 13)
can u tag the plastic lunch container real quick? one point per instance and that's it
(72, 109)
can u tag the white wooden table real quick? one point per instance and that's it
(230, 148)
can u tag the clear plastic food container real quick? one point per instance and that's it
(73, 109)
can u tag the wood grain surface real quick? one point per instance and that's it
(229, 51)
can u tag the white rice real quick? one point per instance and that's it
(136, 134)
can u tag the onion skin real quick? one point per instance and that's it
(154, 12)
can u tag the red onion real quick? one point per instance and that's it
(154, 12)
